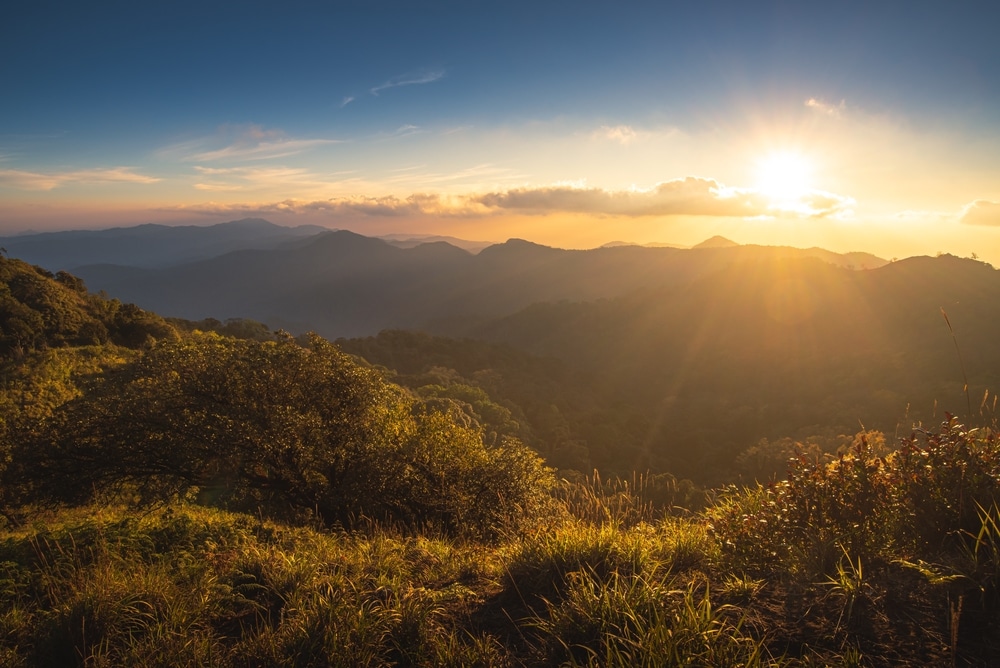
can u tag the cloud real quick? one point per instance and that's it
(346, 101)
(412, 79)
(406, 130)
(25, 180)
(833, 110)
(981, 212)
(419, 204)
(622, 134)
(477, 177)
(241, 142)
(818, 204)
(627, 134)
(218, 187)
(261, 178)
(692, 196)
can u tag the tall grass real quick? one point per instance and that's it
(869, 560)
(190, 586)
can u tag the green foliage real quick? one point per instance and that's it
(35, 386)
(185, 586)
(767, 460)
(37, 310)
(624, 502)
(914, 501)
(40, 310)
(942, 481)
(238, 328)
(509, 392)
(622, 620)
(281, 427)
(476, 403)
(852, 534)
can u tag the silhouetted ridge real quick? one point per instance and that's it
(518, 246)
(716, 242)
(344, 241)
(251, 224)
(438, 250)
(150, 245)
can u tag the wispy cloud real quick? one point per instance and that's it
(475, 177)
(241, 142)
(411, 79)
(346, 101)
(622, 134)
(922, 216)
(981, 212)
(627, 135)
(25, 180)
(827, 109)
(405, 130)
(260, 178)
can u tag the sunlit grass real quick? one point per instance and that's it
(778, 575)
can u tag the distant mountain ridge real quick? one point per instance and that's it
(411, 240)
(339, 283)
(150, 245)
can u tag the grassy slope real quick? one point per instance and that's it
(189, 586)
(604, 579)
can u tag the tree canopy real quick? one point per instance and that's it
(41, 310)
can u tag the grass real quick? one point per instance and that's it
(192, 586)
(785, 575)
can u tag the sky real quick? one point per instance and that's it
(855, 126)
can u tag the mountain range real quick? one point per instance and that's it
(674, 359)
(339, 283)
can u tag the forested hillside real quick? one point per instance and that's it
(691, 379)
(41, 310)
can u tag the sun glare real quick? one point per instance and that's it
(784, 177)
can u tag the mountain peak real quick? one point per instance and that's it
(515, 245)
(717, 242)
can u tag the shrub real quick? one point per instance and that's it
(280, 427)
(914, 503)
(941, 481)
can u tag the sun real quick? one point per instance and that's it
(784, 177)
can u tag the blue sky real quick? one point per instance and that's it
(573, 123)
